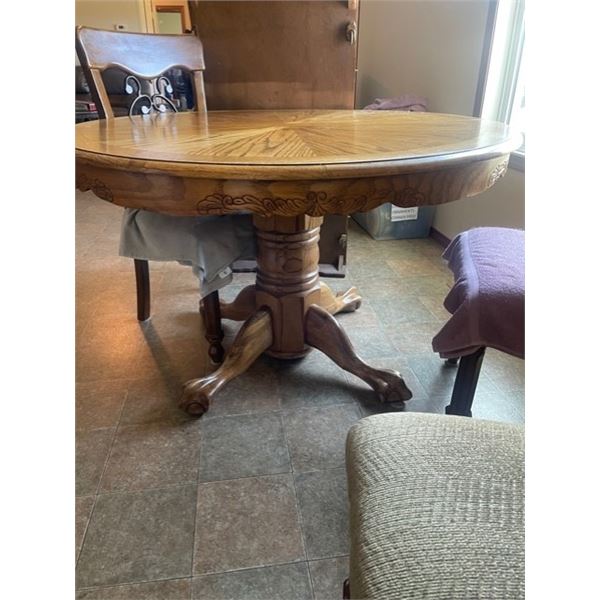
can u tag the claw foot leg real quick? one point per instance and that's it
(325, 333)
(347, 301)
(252, 340)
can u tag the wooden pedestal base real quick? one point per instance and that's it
(288, 312)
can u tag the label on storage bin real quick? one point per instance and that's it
(405, 214)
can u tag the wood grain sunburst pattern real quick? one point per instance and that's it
(288, 137)
(289, 162)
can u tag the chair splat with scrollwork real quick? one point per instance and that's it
(157, 100)
(147, 61)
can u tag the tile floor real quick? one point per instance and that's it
(248, 502)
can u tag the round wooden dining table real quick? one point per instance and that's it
(289, 168)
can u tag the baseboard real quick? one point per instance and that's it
(439, 237)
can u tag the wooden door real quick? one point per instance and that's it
(278, 54)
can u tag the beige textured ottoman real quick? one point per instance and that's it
(436, 508)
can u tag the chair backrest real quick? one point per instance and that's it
(144, 59)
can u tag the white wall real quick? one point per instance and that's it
(105, 14)
(503, 205)
(433, 48)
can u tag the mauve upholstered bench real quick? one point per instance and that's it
(436, 508)
(487, 302)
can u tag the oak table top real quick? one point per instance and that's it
(299, 162)
(289, 168)
(309, 139)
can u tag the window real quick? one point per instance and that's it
(504, 95)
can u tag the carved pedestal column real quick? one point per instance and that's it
(287, 281)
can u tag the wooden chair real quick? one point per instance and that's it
(144, 59)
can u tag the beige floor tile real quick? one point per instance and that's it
(322, 497)
(91, 453)
(256, 391)
(152, 455)
(138, 537)
(153, 400)
(317, 437)
(99, 404)
(416, 265)
(243, 446)
(328, 577)
(261, 527)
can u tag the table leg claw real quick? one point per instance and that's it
(347, 301)
(388, 384)
(252, 340)
(195, 400)
(325, 333)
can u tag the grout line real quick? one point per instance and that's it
(320, 470)
(96, 493)
(200, 450)
(181, 484)
(112, 443)
(332, 557)
(297, 503)
(243, 569)
(86, 526)
(311, 580)
(192, 577)
(193, 553)
(130, 583)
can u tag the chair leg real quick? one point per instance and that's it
(142, 283)
(211, 313)
(465, 384)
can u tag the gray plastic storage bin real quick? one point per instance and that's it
(389, 222)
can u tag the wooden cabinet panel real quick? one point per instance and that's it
(275, 54)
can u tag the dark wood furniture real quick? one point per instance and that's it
(465, 384)
(144, 59)
(289, 168)
(283, 55)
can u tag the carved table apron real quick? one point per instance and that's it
(289, 168)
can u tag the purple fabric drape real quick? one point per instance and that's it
(409, 102)
(487, 300)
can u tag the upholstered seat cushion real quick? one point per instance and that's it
(436, 508)
(487, 300)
